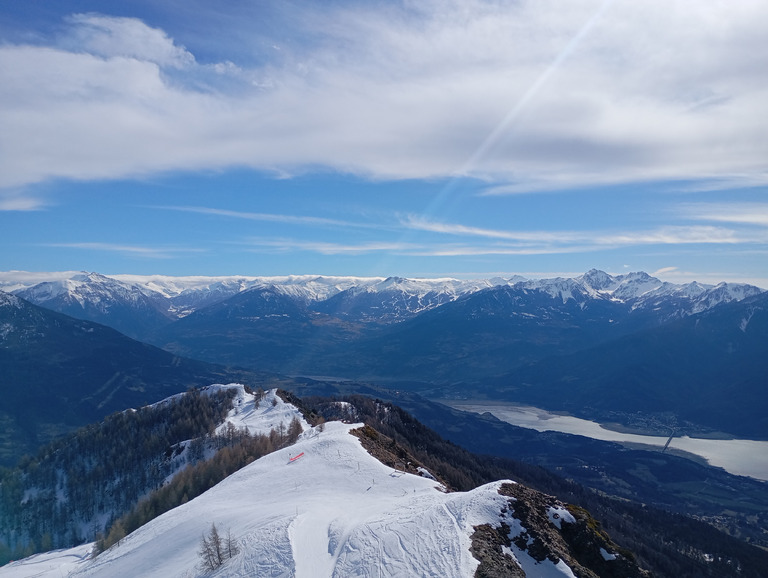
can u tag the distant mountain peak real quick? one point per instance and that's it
(393, 280)
(597, 279)
(9, 300)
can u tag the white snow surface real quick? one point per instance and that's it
(558, 515)
(607, 556)
(421, 287)
(259, 417)
(270, 412)
(334, 512)
(246, 414)
(49, 564)
(313, 287)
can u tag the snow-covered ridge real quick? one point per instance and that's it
(325, 507)
(85, 289)
(318, 286)
(259, 415)
(640, 290)
(252, 413)
(334, 512)
(8, 300)
(11, 281)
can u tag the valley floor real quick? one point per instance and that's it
(737, 456)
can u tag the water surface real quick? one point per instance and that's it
(737, 456)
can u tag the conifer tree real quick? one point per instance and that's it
(211, 550)
(231, 547)
(214, 550)
(294, 429)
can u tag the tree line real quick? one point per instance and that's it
(238, 449)
(56, 498)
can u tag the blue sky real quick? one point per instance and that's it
(461, 138)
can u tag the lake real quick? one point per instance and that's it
(737, 456)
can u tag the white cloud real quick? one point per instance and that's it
(664, 271)
(405, 248)
(110, 37)
(498, 242)
(423, 224)
(742, 213)
(532, 95)
(478, 251)
(20, 202)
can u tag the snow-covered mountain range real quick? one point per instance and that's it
(325, 507)
(137, 304)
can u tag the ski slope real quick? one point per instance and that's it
(334, 512)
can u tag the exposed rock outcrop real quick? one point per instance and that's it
(546, 529)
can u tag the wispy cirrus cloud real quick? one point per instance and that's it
(680, 235)
(665, 271)
(741, 213)
(122, 37)
(402, 248)
(271, 217)
(423, 224)
(129, 250)
(331, 248)
(447, 250)
(494, 242)
(665, 235)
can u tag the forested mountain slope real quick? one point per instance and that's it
(58, 373)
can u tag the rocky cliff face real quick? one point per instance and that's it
(550, 533)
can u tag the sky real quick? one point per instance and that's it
(461, 138)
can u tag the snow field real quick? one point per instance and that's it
(270, 413)
(337, 511)
(48, 564)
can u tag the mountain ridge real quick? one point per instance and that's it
(352, 297)
(84, 371)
